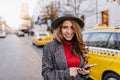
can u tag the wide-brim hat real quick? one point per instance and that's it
(67, 15)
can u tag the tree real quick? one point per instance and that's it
(118, 1)
(51, 11)
(75, 4)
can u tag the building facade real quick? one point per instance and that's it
(93, 12)
(105, 13)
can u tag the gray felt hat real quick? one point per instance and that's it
(67, 15)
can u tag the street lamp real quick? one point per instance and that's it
(96, 12)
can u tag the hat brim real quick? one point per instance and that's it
(57, 21)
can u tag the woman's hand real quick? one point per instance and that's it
(85, 70)
(73, 71)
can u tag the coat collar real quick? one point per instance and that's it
(60, 57)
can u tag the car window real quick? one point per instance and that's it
(99, 39)
(118, 38)
(85, 36)
(42, 34)
(112, 43)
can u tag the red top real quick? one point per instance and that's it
(72, 60)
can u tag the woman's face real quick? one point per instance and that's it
(67, 30)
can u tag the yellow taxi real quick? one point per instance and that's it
(41, 38)
(104, 50)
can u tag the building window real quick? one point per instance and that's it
(105, 18)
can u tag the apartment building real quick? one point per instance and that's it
(93, 12)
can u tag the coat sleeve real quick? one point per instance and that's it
(48, 70)
(82, 77)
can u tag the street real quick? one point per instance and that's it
(19, 59)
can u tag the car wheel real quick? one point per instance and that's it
(33, 44)
(37, 45)
(111, 76)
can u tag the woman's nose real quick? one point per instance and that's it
(69, 30)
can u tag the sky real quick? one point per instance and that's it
(10, 10)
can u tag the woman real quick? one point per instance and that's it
(66, 56)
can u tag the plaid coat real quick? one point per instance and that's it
(54, 65)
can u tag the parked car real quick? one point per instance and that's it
(20, 34)
(2, 34)
(104, 50)
(2, 31)
(41, 38)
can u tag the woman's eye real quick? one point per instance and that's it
(64, 27)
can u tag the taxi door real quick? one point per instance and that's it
(99, 53)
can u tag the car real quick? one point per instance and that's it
(2, 31)
(41, 38)
(20, 34)
(104, 50)
(2, 34)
